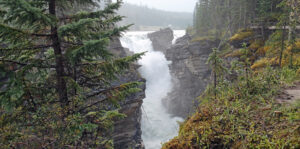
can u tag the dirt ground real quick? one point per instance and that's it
(289, 94)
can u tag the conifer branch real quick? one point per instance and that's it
(8, 30)
(25, 64)
(27, 48)
(26, 11)
(97, 14)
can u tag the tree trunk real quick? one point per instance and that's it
(215, 76)
(61, 85)
(282, 44)
(245, 17)
(292, 26)
(240, 17)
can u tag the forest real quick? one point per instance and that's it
(61, 85)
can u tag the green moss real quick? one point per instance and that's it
(241, 35)
(256, 44)
(243, 116)
(201, 38)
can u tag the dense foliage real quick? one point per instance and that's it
(56, 74)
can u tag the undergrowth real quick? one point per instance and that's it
(244, 115)
(241, 112)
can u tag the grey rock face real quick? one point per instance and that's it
(162, 40)
(127, 132)
(190, 72)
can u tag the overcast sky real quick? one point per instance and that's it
(169, 5)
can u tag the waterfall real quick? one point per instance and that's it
(157, 125)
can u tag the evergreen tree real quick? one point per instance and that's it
(293, 21)
(218, 69)
(58, 91)
(283, 22)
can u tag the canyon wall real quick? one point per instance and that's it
(127, 132)
(188, 68)
(190, 73)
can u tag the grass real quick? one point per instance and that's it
(245, 113)
(243, 116)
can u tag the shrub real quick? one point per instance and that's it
(241, 35)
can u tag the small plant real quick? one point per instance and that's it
(218, 68)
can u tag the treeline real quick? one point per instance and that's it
(215, 16)
(144, 16)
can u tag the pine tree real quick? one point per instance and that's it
(218, 69)
(293, 20)
(283, 22)
(58, 91)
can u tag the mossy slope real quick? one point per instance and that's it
(245, 113)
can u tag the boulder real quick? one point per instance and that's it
(162, 39)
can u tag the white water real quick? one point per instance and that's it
(157, 125)
(178, 34)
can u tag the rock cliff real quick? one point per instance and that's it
(189, 70)
(162, 40)
(127, 132)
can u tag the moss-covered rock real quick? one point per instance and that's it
(243, 36)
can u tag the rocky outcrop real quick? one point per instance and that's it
(162, 39)
(190, 72)
(127, 131)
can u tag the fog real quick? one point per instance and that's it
(168, 5)
(145, 18)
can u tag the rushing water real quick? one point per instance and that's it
(157, 125)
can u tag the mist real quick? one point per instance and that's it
(145, 18)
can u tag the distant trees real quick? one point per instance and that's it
(144, 16)
(58, 90)
(212, 16)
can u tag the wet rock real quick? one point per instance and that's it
(190, 74)
(162, 39)
(127, 132)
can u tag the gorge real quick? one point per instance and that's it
(157, 125)
(176, 72)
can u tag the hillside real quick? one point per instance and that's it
(251, 100)
(146, 18)
(250, 106)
